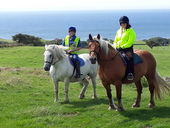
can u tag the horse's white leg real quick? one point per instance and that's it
(66, 82)
(94, 88)
(85, 85)
(55, 89)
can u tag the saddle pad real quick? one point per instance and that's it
(137, 59)
(82, 63)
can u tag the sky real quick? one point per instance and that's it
(60, 5)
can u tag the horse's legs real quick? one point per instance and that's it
(66, 82)
(94, 87)
(85, 85)
(139, 91)
(55, 82)
(109, 95)
(151, 89)
(118, 86)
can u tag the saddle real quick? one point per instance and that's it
(129, 67)
(137, 58)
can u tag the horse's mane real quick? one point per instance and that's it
(104, 44)
(56, 50)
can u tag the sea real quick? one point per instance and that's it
(52, 25)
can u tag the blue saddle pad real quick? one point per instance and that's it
(137, 59)
(82, 63)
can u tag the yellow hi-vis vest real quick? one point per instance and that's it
(73, 46)
(124, 39)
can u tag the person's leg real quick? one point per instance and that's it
(130, 69)
(77, 66)
(130, 64)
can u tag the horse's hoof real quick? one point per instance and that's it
(120, 109)
(135, 105)
(67, 101)
(150, 105)
(81, 97)
(55, 100)
(111, 108)
(94, 97)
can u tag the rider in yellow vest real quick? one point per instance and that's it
(124, 40)
(74, 45)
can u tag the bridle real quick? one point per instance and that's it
(52, 63)
(93, 51)
(98, 56)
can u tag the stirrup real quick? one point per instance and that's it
(130, 76)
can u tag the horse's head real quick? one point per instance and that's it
(94, 47)
(48, 58)
(52, 55)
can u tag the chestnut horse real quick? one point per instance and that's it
(112, 70)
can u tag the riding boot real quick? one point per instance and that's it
(130, 69)
(77, 66)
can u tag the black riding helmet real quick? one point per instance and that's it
(73, 29)
(124, 19)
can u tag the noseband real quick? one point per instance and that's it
(93, 51)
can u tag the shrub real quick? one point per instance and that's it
(84, 44)
(55, 41)
(27, 39)
(157, 41)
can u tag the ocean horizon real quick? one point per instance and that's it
(50, 25)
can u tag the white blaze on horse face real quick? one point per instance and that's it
(93, 50)
(93, 55)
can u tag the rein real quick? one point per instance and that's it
(52, 63)
(93, 51)
(55, 62)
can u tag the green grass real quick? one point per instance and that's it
(27, 97)
(140, 42)
(6, 40)
(162, 55)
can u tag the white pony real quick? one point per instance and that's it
(57, 62)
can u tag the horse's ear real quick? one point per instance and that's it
(98, 36)
(90, 37)
(46, 46)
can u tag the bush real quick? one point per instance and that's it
(55, 41)
(84, 44)
(27, 39)
(157, 41)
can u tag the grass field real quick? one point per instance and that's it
(27, 97)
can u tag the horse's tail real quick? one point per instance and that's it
(161, 86)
